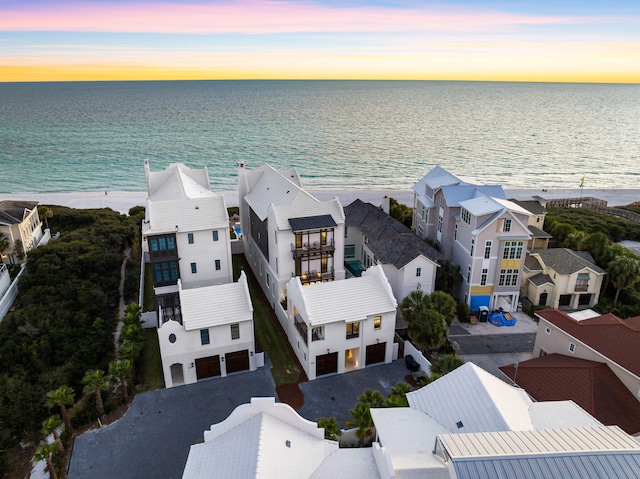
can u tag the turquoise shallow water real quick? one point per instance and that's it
(62, 137)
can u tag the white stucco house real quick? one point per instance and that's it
(185, 233)
(213, 336)
(373, 237)
(20, 225)
(287, 232)
(341, 326)
(562, 278)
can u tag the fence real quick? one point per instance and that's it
(425, 365)
(594, 204)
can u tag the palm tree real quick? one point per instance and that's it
(362, 421)
(445, 304)
(131, 332)
(130, 350)
(371, 398)
(331, 428)
(95, 381)
(62, 397)
(448, 277)
(45, 213)
(412, 304)
(445, 364)
(120, 371)
(132, 314)
(50, 426)
(398, 397)
(429, 330)
(4, 242)
(624, 272)
(45, 452)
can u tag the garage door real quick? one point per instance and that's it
(208, 367)
(326, 364)
(375, 353)
(237, 361)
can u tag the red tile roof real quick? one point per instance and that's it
(616, 339)
(591, 385)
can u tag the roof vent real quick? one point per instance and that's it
(197, 207)
(287, 443)
(459, 424)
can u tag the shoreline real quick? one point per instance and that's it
(123, 201)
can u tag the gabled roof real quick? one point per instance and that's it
(454, 195)
(540, 279)
(591, 385)
(263, 439)
(348, 300)
(616, 339)
(533, 206)
(14, 212)
(177, 181)
(348, 463)
(281, 191)
(532, 263)
(436, 178)
(538, 233)
(470, 399)
(566, 261)
(209, 306)
(389, 240)
(189, 214)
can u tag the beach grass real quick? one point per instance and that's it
(269, 335)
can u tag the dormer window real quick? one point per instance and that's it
(465, 216)
(429, 192)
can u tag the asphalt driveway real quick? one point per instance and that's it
(152, 439)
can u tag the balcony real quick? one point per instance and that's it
(315, 247)
(313, 276)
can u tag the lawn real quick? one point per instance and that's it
(269, 335)
(150, 366)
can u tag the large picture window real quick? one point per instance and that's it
(353, 330)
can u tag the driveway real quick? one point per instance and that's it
(490, 346)
(153, 438)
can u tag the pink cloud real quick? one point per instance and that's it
(257, 17)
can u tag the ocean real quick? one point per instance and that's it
(369, 135)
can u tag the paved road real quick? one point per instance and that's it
(493, 344)
(152, 440)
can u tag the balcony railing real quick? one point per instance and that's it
(311, 248)
(313, 276)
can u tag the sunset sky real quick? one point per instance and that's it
(582, 41)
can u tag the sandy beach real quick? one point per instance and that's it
(122, 201)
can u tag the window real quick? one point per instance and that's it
(190, 238)
(353, 330)
(483, 278)
(194, 269)
(487, 249)
(455, 232)
(204, 336)
(512, 249)
(465, 216)
(162, 244)
(377, 323)
(324, 263)
(323, 237)
(317, 333)
(420, 230)
(235, 331)
(298, 239)
(572, 348)
(215, 235)
(547, 330)
(469, 274)
(442, 202)
(349, 251)
(429, 192)
(473, 243)
(508, 277)
(582, 283)
(507, 225)
(440, 219)
(167, 271)
(217, 265)
(172, 338)
(418, 271)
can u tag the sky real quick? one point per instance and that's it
(543, 40)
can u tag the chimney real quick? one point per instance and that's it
(147, 174)
(386, 204)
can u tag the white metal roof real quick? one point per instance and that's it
(560, 414)
(178, 181)
(539, 442)
(347, 300)
(263, 439)
(584, 314)
(409, 436)
(470, 399)
(481, 205)
(348, 464)
(188, 214)
(209, 306)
